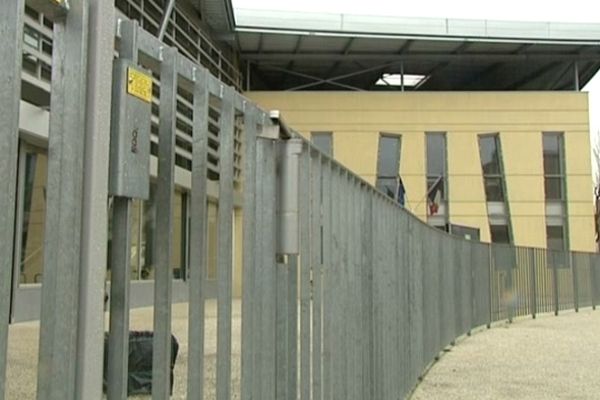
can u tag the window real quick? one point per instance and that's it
(554, 188)
(436, 170)
(31, 37)
(553, 166)
(491, 167)
(33, 170)
(323, 141)
(436, 177)
(388, 164)
(500, 233)
(555, 238)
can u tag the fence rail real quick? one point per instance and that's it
(345, 294)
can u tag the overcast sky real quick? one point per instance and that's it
(524, 10)
(515, 10)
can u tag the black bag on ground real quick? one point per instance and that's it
(139, 377)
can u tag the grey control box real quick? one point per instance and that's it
(130, 131)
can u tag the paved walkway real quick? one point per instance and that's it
(546, 358)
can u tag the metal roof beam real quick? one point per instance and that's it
(332, 80)
(422, 57)
(532, 75)
(260, 43)
(336, 65)
(458, 50)
(318, 81)
(406, 46)
(290, 64)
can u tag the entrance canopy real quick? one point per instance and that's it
(318, 51)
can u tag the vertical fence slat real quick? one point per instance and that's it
(316, 231)
(593, 277)
(267, 280)
(533, 282)
(254, 372)
(225, 249)
(249, 253)
(359, 294)
(281, 332)
(344, 304)
(118, 342)
(328, 275)
(575, 272)
(62, 250)
(95, 213)
(292, 327)
(555, 284)
(198, 238)
(336, 312)
(163, 276)
(306, 252)
(367, 289)
(11, 31)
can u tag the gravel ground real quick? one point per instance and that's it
(23, 347)
(545, 358)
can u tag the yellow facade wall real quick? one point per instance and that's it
(357, 119)
(579, 191)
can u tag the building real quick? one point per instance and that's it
(513, 165)
(436, 98)
(481, 121)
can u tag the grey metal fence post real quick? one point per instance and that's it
(225, 250)
(327, 276)
(307, 249)
(554, 284)
(533, 283)
(267, 283)
(249, 295)
(198, 237)
(511, 305)
(163, 276)
(575, 282)
(63, 243)
(95, 214)
(593, 277)
(491, 279)
(316, 232)
(473, 292)
(118, 340)
(11, 31)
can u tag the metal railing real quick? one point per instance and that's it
(345, 294)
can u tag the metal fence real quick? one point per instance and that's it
(345, 294)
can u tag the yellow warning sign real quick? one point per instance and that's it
(139, 84)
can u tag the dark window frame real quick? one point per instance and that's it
(430, 176)
(552, 176)
(492, 176)
(380, 177)
(322, 134)
(549, 239)
(494, 236)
